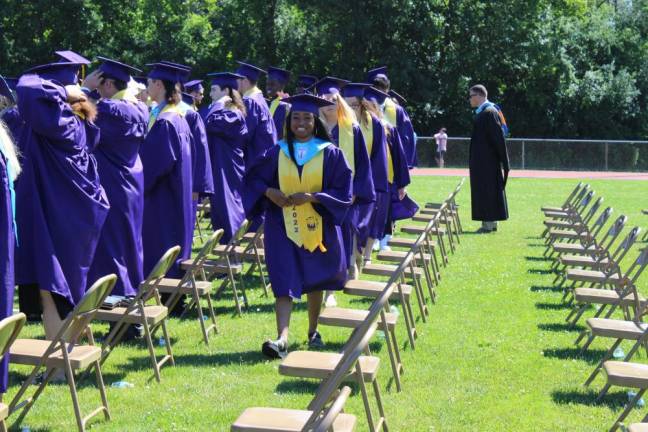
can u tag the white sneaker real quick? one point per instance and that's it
(376, 245)
(330, 301)
(384, 243)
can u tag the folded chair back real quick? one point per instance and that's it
(77, 321)
(325, 424)
(592, 211)
(9, 329)
(582, 205)
(572, 195)
(148, 287)
(613, 233)
(357, 342)
(637, 267)
(197, 268)
(622, 250)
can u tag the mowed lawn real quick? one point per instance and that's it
(495, 354)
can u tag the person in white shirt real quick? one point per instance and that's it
(441, 138)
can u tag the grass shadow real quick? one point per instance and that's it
(614, 400)
(552, 306)
(374, 346)
(540, 288)
(560, 327)
(540, 271)
(590, 356)
(537, 258)
(298, 386)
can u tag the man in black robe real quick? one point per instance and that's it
(488, 163)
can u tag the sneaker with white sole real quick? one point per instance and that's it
(330, 301)
(275, 349)
(315, 340)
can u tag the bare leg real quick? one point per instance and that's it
(283, 309)
(51, 320)
(368, 249)
(314, 309)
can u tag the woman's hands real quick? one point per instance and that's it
(401, 194)
(281, 200)
(92, 80)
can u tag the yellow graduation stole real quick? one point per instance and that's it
(303, 224)
(390, 163)
(254, 90)
(367, 132)
(274, 105)
(345, 139)
(168, 108)
(125, 95)
(390, 111)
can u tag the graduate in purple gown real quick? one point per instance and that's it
(123, 122)
(61, 206)
(395, 114)
(304, 186)
(305, 83)
(400, 206)
(275, 90)
(262, 133)
(9, 113)
(375, 138)
(166, 157)
(345, 132)
(197, 92)
(9, 170)
(227, 135)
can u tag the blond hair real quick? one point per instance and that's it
(9, 151)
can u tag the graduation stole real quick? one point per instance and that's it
(254, 90)
(125, 95)
(160, 109)
(303, 224)
(345, 133)
(390, 111)
(274, 105)
(390, 162)
(367, 132)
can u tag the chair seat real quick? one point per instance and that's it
(568, 234)
(626, 374)
(242, 251)
(213, 266)
(388, 270)
(557, 214)
(284, 420)
(562, 224)
(4, 411)
(30, 352)
(319, 365)
(594, 276)
(418, 229)
(551, 209)
(365, 288)
(638, 427)
(405, 242)
(399, 256)
(617, 329)
(603, 296)
(352, 318)
(574, 248)
(169, 286)
(583, 261)
(153, 314)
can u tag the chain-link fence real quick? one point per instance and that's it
(550, 154)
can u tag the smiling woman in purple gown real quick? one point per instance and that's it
(166, 157)
(226, 135)
(304, 185)
(122, 120)
(61, 205)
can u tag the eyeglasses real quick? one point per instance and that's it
(472, 95)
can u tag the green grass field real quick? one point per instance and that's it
(495, 354)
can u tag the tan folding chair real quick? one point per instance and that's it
(571, 198)
(202, 209)
(150, 316)
(573, 228)
(255, 254)
(64, 352)
(431, 208)
(226, 264)
(572, 213)
(194, 285)
(265, 419)
(9, 330)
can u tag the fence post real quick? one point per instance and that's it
(606, 155)
(523, 152)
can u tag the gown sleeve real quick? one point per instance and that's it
(202, 170)
(225, 124)
(399, 160)
(43, 105)
(258, 178)
(496, 138)
(379, 157)
(158, 153)
(335, 197)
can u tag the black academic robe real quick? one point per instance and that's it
(488, 160)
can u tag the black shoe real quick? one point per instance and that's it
(275, 349)
(494, 229)
(315, 340)
(483, 230)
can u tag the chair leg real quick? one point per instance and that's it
(151, 350)
(69, 374)
(365, 397)
(102, 390)
(394, 354)
(167, 345)
(627, 410)
(605, 358)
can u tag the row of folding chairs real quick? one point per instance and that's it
(409, 271)
(599, 264)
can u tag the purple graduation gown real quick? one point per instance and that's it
(15, 123)
(279, 118)
(408, 139)
(200, 160)
(294, 270)
(226, 135)
(61, 206)
(378, 159)
(405, 208)
(6, 260)
(261, 128)
(123, 127)
(168, 218)
(359, 215)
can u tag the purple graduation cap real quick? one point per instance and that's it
(401, 100)
(64, 73)
(141, 79)
(167, 72)
(188, 99)
(249, 71)
(5, 90)
(278, 74)
(187, 70)
(329, 85)
(306, 81)
(116, 70)
(225, 79)
(195, 85)
(72, 57)
(307, 103)
(354, 90)
(379, 72)
(375, 95)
